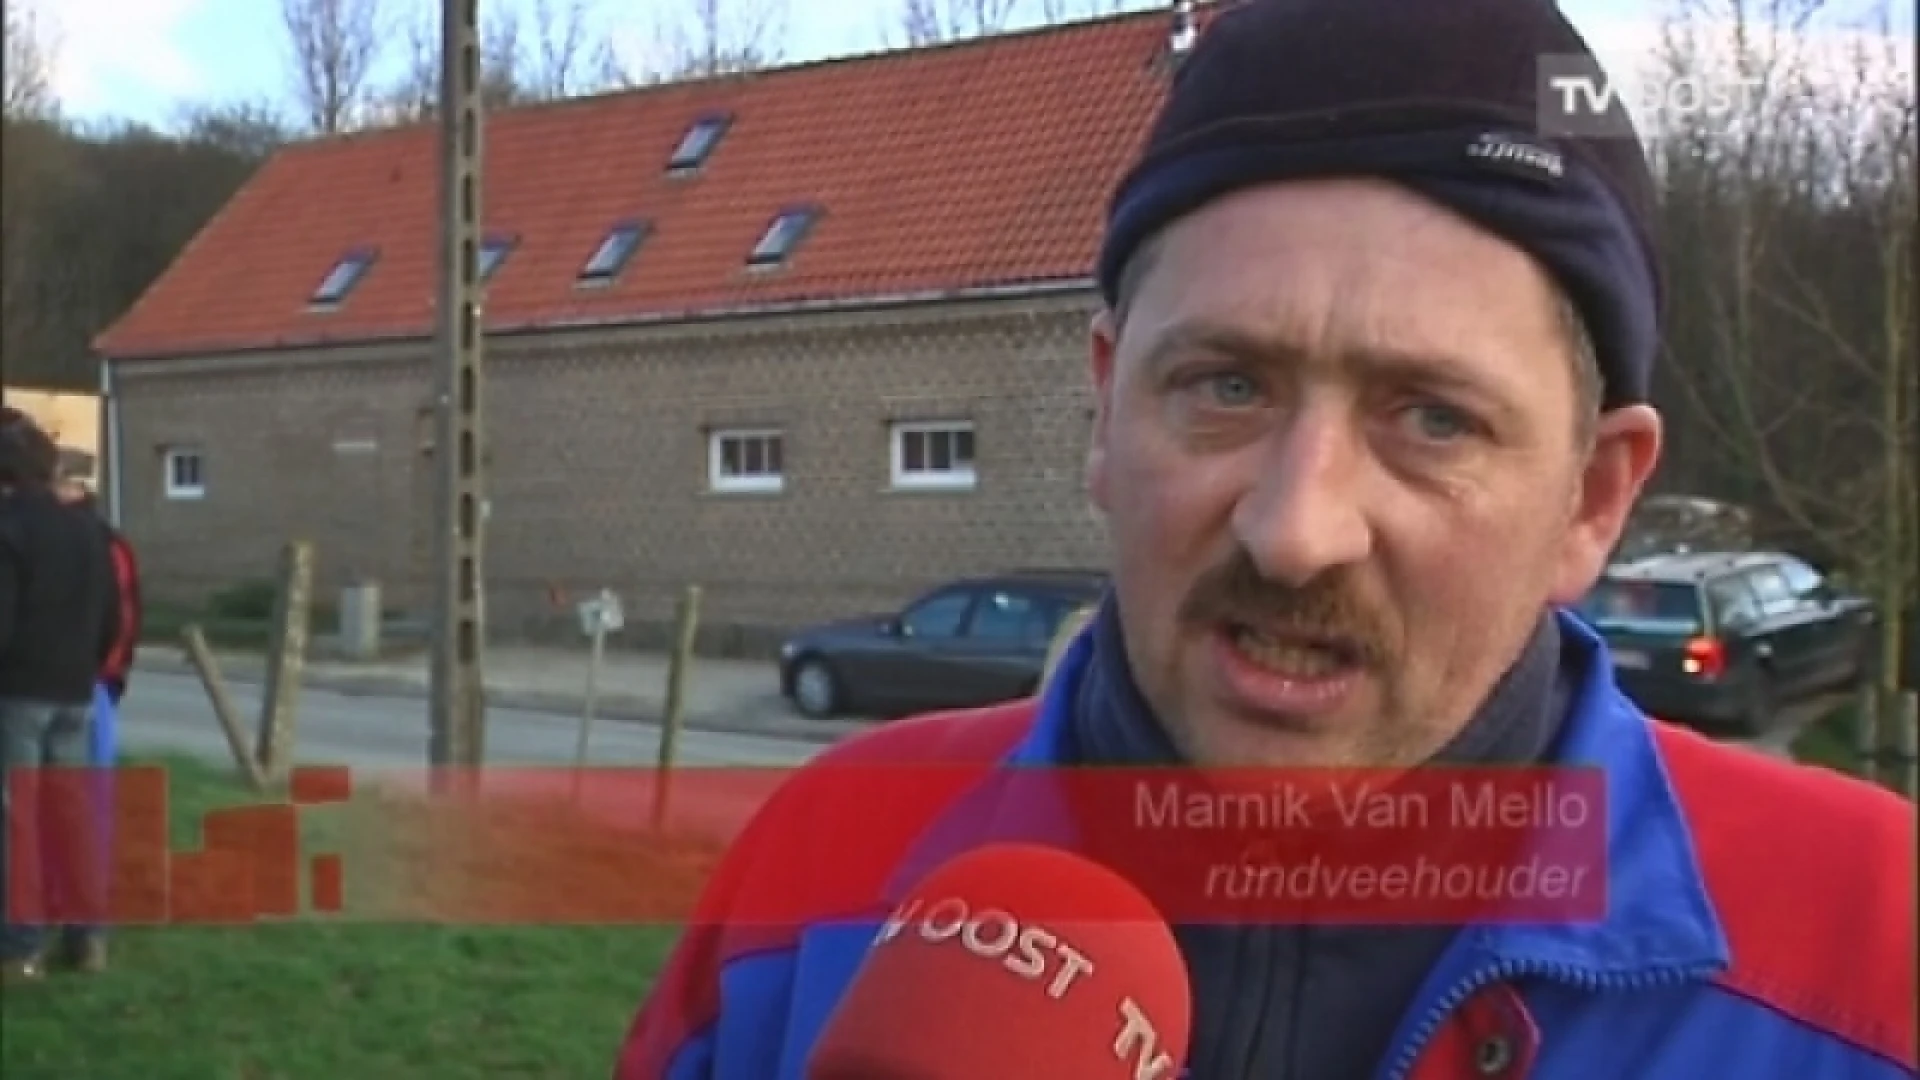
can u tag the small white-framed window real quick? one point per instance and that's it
(746, 460)
(183, 472)
(933, 455)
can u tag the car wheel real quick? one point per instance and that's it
(816, 692)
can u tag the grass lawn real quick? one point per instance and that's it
(162, 625)
(317, 1001)
(1827, 741)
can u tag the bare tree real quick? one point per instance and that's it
(559, 62)
(413, 95)
(248, 129)
(34, 168)
(501, 59)
(335, 45)
(612, 69)
(1058, 11)
(1792, 227)
(718, 37)
(929, 22)
(28, 74)
(1870, 330)
(89, 217)
(916, 23)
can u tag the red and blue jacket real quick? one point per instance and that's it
(1761, 922)
(118, 665)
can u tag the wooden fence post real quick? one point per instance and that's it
(209, 670)
(286, 658)
(673, 712)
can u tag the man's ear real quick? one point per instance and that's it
(1626, 447)
(1102, 343)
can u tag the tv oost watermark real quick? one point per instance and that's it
(1578, 98)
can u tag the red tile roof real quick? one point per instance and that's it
(983, 163)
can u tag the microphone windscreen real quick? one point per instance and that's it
(1014, 960)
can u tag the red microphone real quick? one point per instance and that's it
(1014, 960)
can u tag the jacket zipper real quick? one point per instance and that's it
(1509, 970)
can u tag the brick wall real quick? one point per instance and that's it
(599, 463)
(309, 444)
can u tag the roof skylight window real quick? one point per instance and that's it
(699, 142)
(615, 252)
(783, 235)
(494, 251)
(340, 280)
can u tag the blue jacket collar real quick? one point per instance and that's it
(1660, 917)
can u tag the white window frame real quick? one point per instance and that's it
(962, 478)
(170, 459)
(764, 483)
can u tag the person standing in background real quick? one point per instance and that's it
(58, 625)
(126, 578)
(103, 743)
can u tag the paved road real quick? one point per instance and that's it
(170, 713)
(167, 712)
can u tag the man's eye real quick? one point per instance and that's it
(1231, 390)
(1438, 422)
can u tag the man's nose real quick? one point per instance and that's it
(1303, 514)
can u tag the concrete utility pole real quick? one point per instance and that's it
(458, 701)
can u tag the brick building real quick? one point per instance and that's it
(813, 338)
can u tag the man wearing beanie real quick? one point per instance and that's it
(1371, 386)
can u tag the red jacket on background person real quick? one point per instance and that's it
(118, 665)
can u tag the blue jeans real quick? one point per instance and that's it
(36, 735)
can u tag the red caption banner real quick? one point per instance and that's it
(630, 846)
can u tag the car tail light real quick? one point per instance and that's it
(1706, 657)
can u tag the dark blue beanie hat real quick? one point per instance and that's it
(1441, 96)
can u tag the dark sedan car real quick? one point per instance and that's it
(965, 644)
(1723, 641)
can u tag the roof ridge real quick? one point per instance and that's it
(978, 166)
(999, 38)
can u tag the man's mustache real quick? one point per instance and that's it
(1328, 608)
